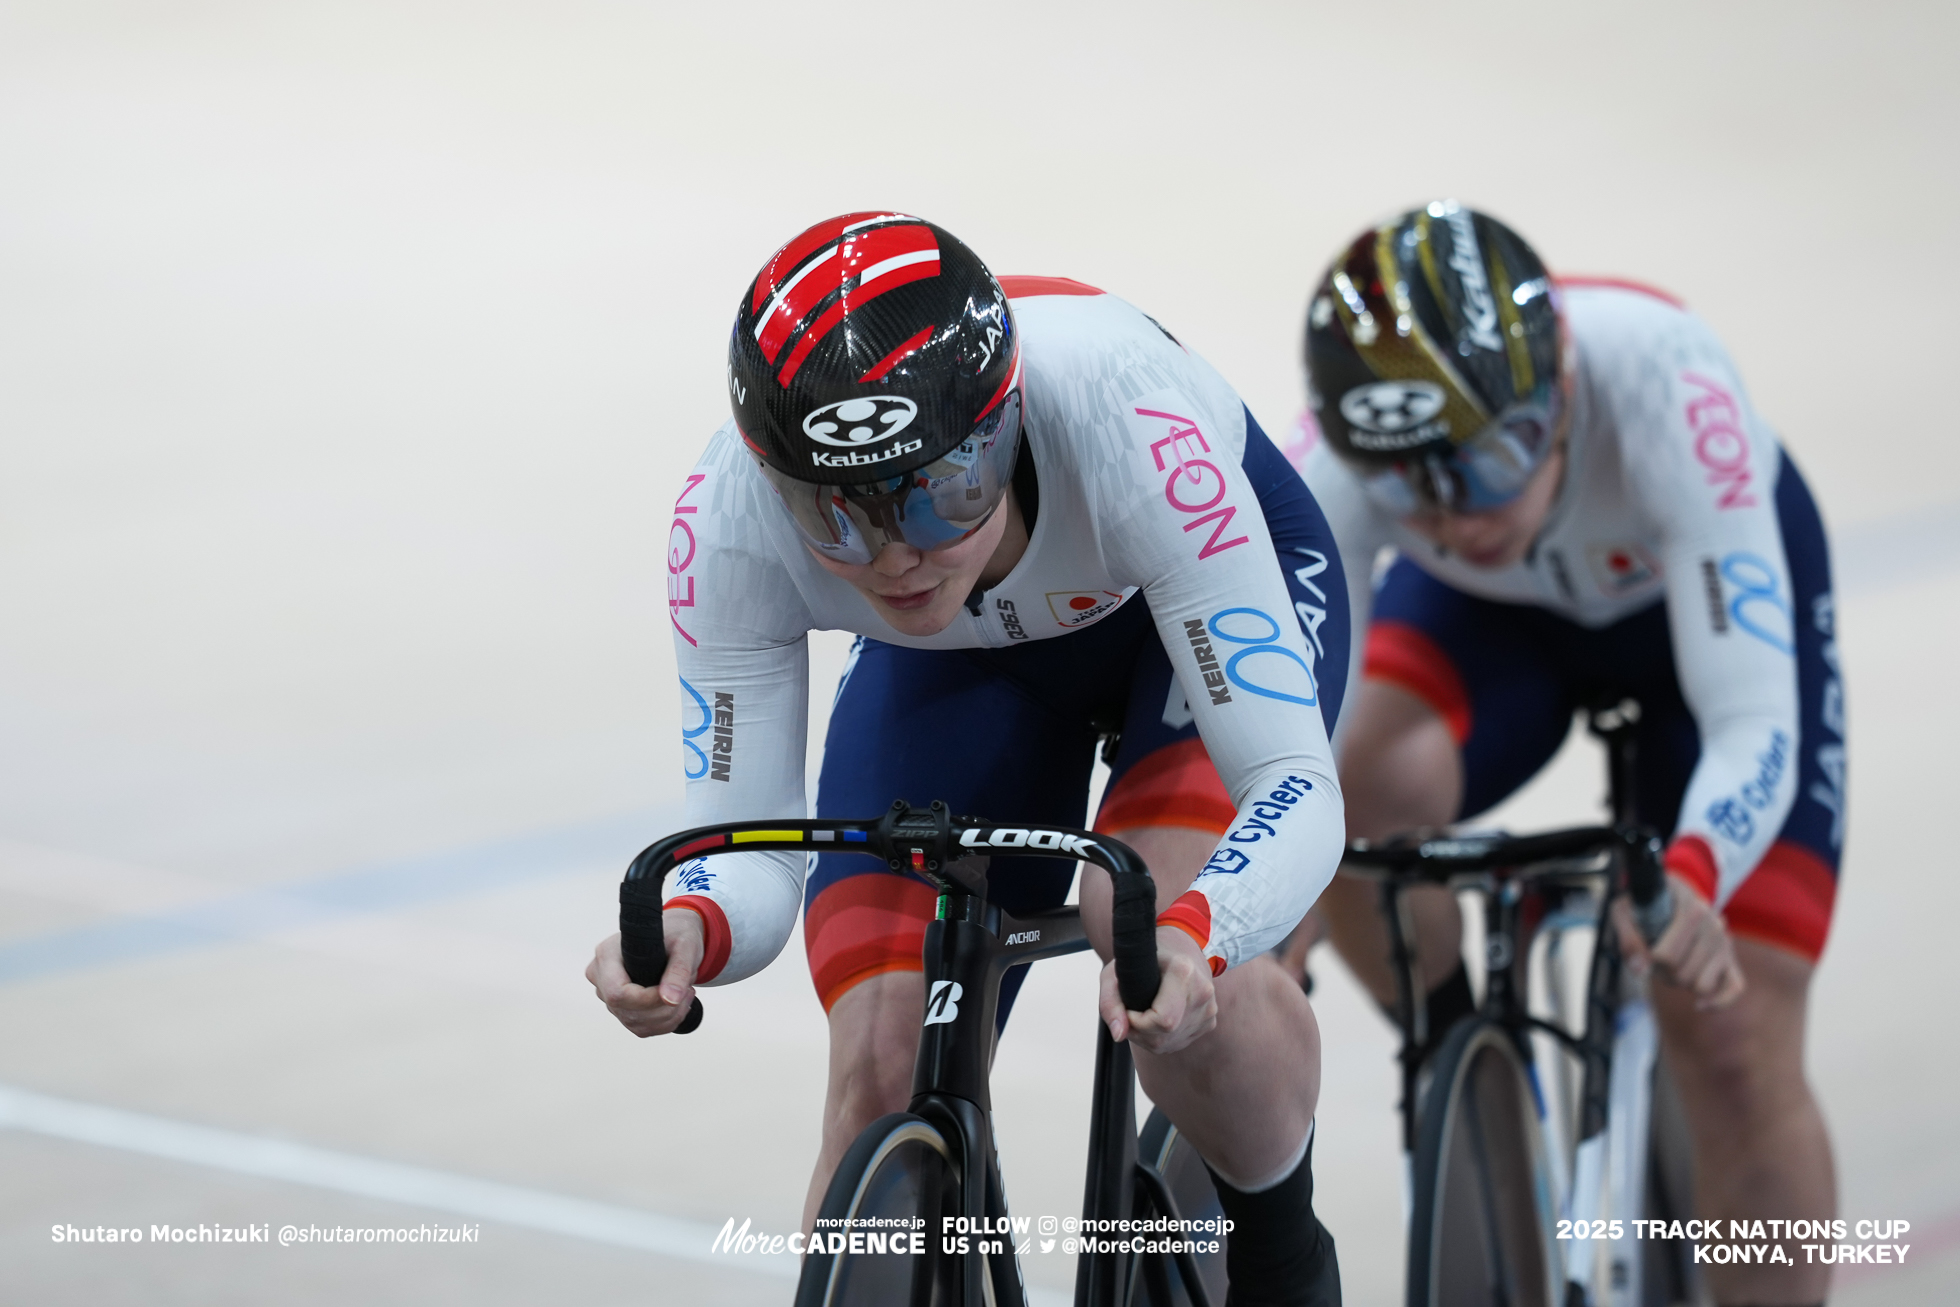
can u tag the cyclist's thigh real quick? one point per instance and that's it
(1788, 900)
(997, 733)
(1487, 670)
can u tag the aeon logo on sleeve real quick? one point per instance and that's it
(1390, 415)
(1720, 445)
(1193, 485)
(681, 549)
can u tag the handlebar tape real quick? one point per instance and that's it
(1133, 925)
(643, 941)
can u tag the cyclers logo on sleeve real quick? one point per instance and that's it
(1259, 823)
(694, 877)
(1226, 862)
(1280, 673)
(1732, 818)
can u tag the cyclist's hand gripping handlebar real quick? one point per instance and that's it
(1653, 901)
(643, 940)
(921, 841)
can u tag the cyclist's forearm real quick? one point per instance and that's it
(1278, 855)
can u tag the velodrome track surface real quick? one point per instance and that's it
(349, 357)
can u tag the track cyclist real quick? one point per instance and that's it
(1584, 505)
(1048, 522)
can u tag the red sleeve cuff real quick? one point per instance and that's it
(714, 928)
(1192, 915)
(1692, 860)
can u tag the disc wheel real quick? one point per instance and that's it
(1480, 1231)
(892, 1188)
(1191, 1189)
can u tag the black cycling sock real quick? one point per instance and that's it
(1278, 1253)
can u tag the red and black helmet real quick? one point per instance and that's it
(871, 345)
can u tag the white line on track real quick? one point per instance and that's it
(277, 1159)
(367, 1177)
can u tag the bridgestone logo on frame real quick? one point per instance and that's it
(724, 736)
(1194, 631)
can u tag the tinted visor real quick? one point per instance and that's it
(1485, 472)
(930, 507)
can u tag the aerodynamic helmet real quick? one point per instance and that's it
(1435, 360)
(874, 370)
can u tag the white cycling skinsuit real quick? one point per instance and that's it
(1138, 446)
(1670, 490)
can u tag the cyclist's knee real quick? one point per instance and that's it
(1400, 767)
(874, 1033)
(1743, 1063)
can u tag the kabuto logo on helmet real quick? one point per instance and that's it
(1467, 261)
(1394, 414)
(865, 420)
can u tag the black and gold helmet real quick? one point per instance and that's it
(1435, 360)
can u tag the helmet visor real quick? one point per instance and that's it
(1487, 471)
(931, 507)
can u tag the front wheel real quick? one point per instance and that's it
(887, 1198)
(1480, 1232)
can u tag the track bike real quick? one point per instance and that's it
(1518, 1127)
(923, 1187)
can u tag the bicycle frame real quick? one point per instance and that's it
(969, 946)
(1617, 1045)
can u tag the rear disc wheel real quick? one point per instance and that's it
(1480, 1232)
